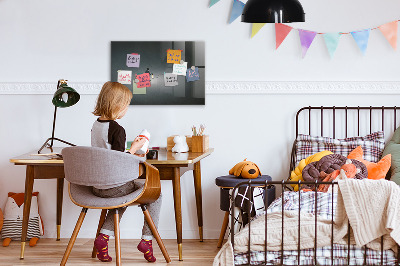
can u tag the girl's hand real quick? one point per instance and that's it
(137, 144)
(143, 155)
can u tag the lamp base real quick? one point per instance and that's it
(50, 146)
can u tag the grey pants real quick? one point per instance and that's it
(154, 208)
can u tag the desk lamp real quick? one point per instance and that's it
(273, 11)
(64, 96)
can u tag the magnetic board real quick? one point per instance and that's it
(143, 67)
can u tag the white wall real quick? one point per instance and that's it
(42, 41)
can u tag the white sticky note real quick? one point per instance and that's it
(124, 76)
(133, 60)
(180, 69)
(170, 79)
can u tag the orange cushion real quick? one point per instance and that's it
(375, 170)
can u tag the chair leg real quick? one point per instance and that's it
(154, 230)
(117, 239)
(223, 229)
(101, 222)
(73, 237)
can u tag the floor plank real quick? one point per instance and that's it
(49, 252)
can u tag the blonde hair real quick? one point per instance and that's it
(112, 99)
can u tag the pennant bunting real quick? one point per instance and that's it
(237, 9)
(306, 39)
(389, 30)
(281, 31)
(361, 37)
(256, 27)
(213, 2)
(332, 41)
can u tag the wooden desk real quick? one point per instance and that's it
(171, 167)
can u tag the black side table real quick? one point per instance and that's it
(226, 183)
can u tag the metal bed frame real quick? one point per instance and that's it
(283, 184)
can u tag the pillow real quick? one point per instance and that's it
(393, 148)
(372, 144)
(375, 170)
(296, 174)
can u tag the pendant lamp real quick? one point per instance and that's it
(273, 11)
(64, 96)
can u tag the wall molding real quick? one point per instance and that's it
(232, 87)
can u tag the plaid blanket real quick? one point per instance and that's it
(323, 205)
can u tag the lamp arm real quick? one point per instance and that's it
(54, 126)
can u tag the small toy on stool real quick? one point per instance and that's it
(245, 169)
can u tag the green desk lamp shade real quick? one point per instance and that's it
(64, 96)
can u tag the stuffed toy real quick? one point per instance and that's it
(296, 174)
(180, 144)
(1, 220)
(13, 215)
(375, 170)
(245, 169)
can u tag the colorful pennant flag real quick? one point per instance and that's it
(281, 31)
(256, 27)
(389, 30)
(361, 37)
(213, 2)
(332, 41)
(306, 39)
(237, 9)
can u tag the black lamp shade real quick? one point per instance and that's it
(273, 11)
(65, 96)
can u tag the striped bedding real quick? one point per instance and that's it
(306, 202)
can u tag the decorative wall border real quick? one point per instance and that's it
(233, 87)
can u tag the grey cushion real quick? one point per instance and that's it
(393, 148)
(83, 195)
(99, 167)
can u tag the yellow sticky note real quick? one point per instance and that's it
(174, 56)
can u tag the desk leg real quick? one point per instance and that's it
(27, 206)
(197, 189)
(60, 190)
(176, 182)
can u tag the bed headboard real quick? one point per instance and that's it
(344, 121)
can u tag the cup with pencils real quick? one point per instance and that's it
(199, 140)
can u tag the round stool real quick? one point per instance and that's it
(228, 182)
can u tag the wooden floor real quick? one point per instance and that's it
(50, 252)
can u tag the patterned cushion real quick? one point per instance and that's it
(372, 144)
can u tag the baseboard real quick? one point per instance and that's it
(231, 87)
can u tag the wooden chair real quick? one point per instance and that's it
(85, 167)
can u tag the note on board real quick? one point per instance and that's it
(180, 69)
(174, 56)
(136, 90)
(144, 80)
(170, 79)
(133, 60)
(192, 75)
(124, 76)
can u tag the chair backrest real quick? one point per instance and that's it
(92, 166)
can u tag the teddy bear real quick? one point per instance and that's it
(180, 144)
(13, 215)
(245, 169)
